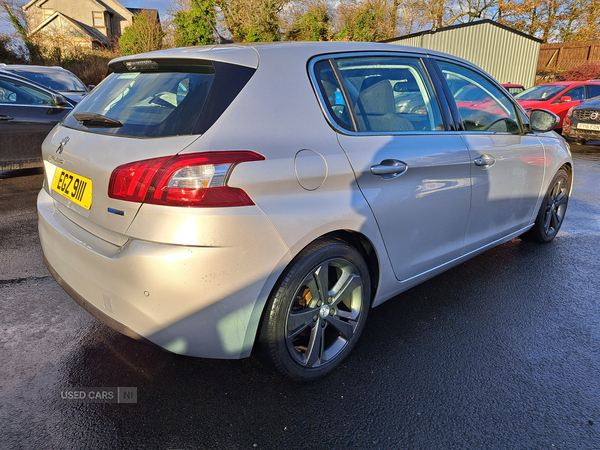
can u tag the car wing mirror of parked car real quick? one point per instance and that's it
(542, 120)
(91, 87)
(59, 100)
(565, 98)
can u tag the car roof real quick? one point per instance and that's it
(567, 83)
(30, 68)
(250, 54)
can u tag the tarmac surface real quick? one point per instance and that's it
(500, 352)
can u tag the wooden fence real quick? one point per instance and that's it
(557, 57)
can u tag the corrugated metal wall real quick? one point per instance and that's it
(508, 57)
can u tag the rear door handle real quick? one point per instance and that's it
(6, 118)
(485, 160)
(389, 168)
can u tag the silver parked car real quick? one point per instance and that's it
(222, 200)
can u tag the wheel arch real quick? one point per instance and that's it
(367, 250)
(569, 168)
(357, 240)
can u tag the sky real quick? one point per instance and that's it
(161, 5)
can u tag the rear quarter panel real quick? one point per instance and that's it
(278, 115)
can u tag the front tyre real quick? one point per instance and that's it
(317, 311)
(552, 211)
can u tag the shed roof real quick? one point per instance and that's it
(462, 25)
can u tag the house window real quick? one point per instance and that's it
(98, 18)
(47, 13)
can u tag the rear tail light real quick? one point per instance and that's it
(198, 180)
(570, 112)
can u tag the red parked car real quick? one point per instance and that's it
(558, 97)
(513, 89)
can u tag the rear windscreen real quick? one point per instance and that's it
(162, 102)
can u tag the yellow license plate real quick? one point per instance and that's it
(76, 188)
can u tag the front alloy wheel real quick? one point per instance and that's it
(553, 209)
(556, 207)
(318, 311)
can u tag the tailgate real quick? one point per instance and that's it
(78, 166)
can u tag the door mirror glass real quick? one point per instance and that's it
(542, 120)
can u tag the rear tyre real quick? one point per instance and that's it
(552, 211)
(317, 311)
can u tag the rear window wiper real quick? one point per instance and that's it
(92, 120)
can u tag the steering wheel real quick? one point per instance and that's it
(508, 122)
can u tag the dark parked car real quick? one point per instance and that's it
(28, 112)
(582, 123)
(56, 78)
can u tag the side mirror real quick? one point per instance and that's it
(91, 87)
(59, 100)
(565, 98)
(542, 120)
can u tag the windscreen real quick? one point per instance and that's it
(539, 93)
(148, 104)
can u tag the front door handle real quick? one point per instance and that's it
(389, 168)
(485, 161)
(7, 118)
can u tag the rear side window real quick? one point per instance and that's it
(14, 92)
(379, 94)
(332, 94)
(165, 100)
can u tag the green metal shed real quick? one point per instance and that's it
(506, 54)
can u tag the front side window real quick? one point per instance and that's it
(576, 94)
(481, 104)
(16, 93)
(379, 94)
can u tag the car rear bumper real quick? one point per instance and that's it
(17, 165)
(196, 301)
